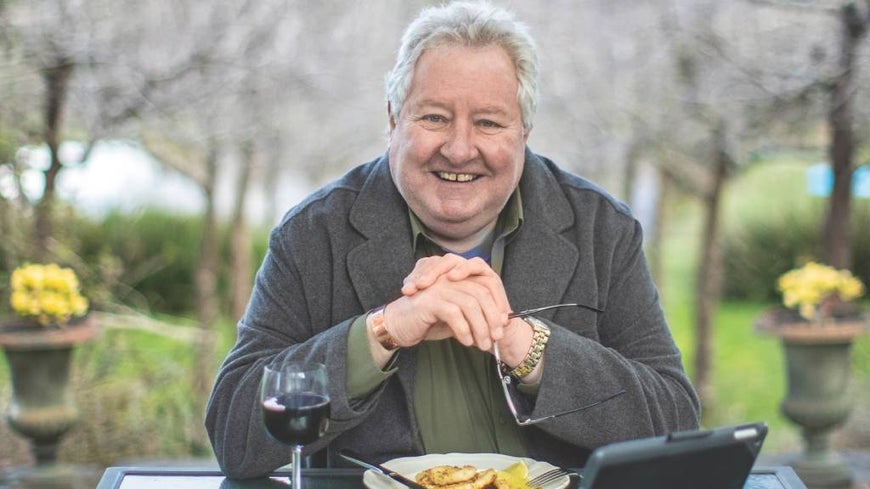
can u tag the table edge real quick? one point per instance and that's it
(113, 476)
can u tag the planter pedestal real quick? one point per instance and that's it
(818, 368)
(817, 400)
(42, 408)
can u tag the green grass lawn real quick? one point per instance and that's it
(134, 390)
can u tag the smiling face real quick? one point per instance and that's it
(457, 148)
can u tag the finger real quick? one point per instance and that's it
(468, 268)
(471, 313)
(439, 331)
(497, 312)
(480, 271)
(427, 271)
(433, 313)
(473, 310)
(452, 316)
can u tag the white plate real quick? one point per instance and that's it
(409, 466)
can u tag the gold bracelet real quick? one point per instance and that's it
(540, 336)
(375, 321)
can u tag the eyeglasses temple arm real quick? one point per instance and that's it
(529, 312)
(581, 408)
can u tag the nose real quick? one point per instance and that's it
(460, 145)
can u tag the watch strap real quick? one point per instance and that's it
(540, 336)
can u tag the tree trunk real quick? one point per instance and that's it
(837, 230)
(56, 79)
(206, 279)
(630, 174)
(709, 272)
(656, 258)
(8, 260)
(240, 275)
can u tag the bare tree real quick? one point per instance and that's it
(751, 83)
(837, 233)
(240, 240)
(45, 47)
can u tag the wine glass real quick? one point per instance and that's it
(295, 405)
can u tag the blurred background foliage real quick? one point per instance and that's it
(770, 231)
(145, 261)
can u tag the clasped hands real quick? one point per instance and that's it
(453, 297)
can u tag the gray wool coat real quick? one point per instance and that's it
(346, 249)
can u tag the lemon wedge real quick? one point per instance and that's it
(515, 476)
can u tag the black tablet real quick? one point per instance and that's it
(718, 458)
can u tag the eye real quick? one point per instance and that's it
(434, 118)
(489, 126)
(433, 122)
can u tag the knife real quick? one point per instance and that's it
(361, 461)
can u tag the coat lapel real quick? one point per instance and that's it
(541, 262)
(538, 267)
(378, 266)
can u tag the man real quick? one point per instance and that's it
(400, 277)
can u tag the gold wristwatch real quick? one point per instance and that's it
(540, 336)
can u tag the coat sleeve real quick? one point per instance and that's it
(629, 348)
(277, 326)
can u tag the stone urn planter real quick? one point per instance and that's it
(42, 407)
(818, 369)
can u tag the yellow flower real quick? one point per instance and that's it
(851, 288)
(807, 310)
(806, 288)
(47, 293)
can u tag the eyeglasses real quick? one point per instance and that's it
(529, 312)
(507, 382)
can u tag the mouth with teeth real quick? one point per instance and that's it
(455, 177)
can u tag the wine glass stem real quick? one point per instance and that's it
(297, 466)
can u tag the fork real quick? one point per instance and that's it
(551, 475)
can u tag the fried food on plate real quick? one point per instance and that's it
(445, 475)
(468, 477)
(456, 477)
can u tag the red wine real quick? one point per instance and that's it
(298, 418)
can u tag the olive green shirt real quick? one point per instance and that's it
(458, 401)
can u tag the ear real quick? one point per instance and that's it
(390, 117)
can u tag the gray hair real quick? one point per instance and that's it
(468, 24)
